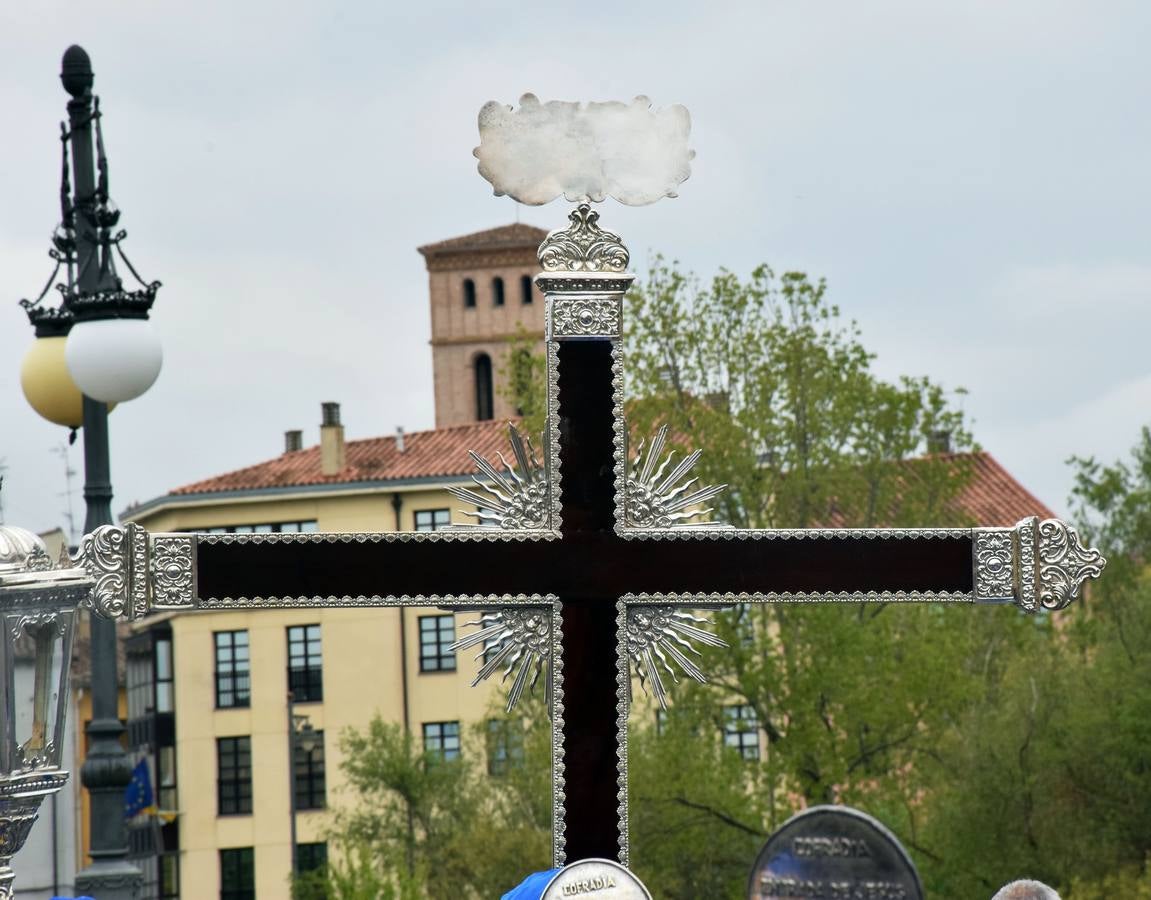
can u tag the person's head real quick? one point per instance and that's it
(1026, 890)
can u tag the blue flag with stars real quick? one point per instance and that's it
(138, 794)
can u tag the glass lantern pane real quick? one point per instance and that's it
(43, 646)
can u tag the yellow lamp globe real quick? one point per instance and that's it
(48, 387)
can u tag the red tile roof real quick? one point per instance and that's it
(991, 497)
(442, 452)
(994, 497)
(506, 236)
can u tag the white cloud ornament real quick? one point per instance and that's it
(586, 152)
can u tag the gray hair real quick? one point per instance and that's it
(1026, 890)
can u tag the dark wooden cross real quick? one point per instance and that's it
(593, 541)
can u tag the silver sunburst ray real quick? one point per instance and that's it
(519, 640)
(514, 499)
(660, 635)
(654, 499)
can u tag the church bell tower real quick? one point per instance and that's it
(481, 293)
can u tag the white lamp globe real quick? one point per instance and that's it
(114, 360)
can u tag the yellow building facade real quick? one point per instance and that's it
(208, 691)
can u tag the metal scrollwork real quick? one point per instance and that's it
(657, 633)
(653, 499)
(1064, 564)
(105, 556)
(994, 564)
(586, 316)
(583, 246)
(513, 500)
(172, 572)
(520, 640)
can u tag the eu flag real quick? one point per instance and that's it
(138, 794)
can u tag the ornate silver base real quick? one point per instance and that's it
(20, 799)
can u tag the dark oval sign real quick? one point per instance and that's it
(833, 853)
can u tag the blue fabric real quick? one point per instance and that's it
(138, 793)
(532, 887)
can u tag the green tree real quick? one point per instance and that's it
(523, 374)
(418, 826)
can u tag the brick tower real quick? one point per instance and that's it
(481, 291)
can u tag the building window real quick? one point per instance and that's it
(433, 519)
(309, 774)
(169, 872)
(233, 677)
(166, 778)
(165, 689)
(526, 289)
(265, 528)
(497, 291)
(741, 730)
(305, 669)
(469, 293)
(238, 874)
(437, 633)
(149, 678)
(310, 857)
(484, 400)
(505, 745)
(138, 674)
(234, 776)
(442, 740)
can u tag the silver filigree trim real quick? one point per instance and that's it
(1064, 564)
(172, 571)
(513, 500)
(559, 771)
(660, 635)
(993, 551)
(691, 600)
(622, 706)
(585, 316)
(656, 498)
(583, 246)
(517, 638)
(105, 554)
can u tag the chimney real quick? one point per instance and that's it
(333, 454)
(399, 438)
(939, 442)
(293, 441)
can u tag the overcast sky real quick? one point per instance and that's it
(970, 177)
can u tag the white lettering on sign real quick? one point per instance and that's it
(588, 885)
(811, 889)
(809, 847)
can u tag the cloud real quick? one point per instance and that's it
(623, 150)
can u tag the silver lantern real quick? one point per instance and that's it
(38, 601)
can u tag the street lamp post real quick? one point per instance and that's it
(110, 355)
(302, 735)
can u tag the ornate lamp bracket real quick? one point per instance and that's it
(1037, 564)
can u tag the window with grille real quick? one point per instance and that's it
(238, 874)
(233, 676)
(305, 667)
(265, 528)
(442, 739)
(234, 776)
(310, 857)
(497, 291)
(505, 745)
(309, 774)
(437, 633)
(469, 293)
(432, 519)
(741, 730)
